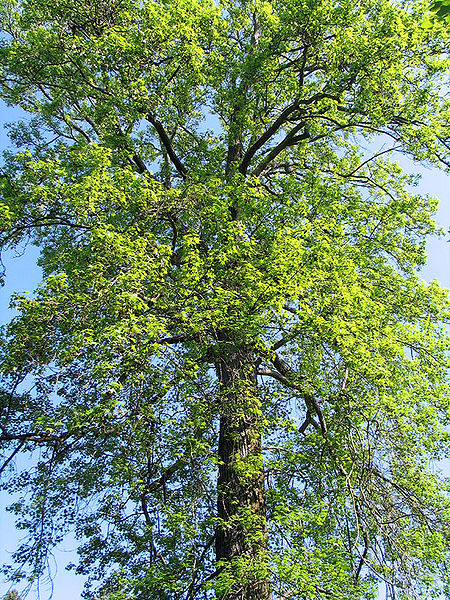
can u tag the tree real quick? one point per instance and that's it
(12, 595)
(232, 380)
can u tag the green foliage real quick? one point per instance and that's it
(441, 8)
(203, 182)
(12, 595)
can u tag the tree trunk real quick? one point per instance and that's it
(241, 538)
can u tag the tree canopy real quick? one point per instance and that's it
(232, 381)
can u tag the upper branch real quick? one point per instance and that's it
(165, 140)
(291, 139)
(266, 137)
(282, 119)
(309, 399)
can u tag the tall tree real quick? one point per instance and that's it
(232, 380)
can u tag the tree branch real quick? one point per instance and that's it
(311, 402)
(12, 455)
(266, 137)
(167, 474)
(39, 438)
(291, 139)
(165, 140)
(175, 339)
(362, 558)
(279, 122)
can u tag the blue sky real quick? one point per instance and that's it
(22, 274)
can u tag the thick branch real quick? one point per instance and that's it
(277, 124)
(165, 140)
(141, 166)
(266, 137)
(283, 341)
(39, 438)
(168, 473)
(308, 421)
(291, 139)
(362, 558)
(175, 339)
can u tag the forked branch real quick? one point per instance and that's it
(166, 142)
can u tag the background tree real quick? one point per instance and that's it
(232, 380)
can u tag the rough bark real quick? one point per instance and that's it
(241, 538)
